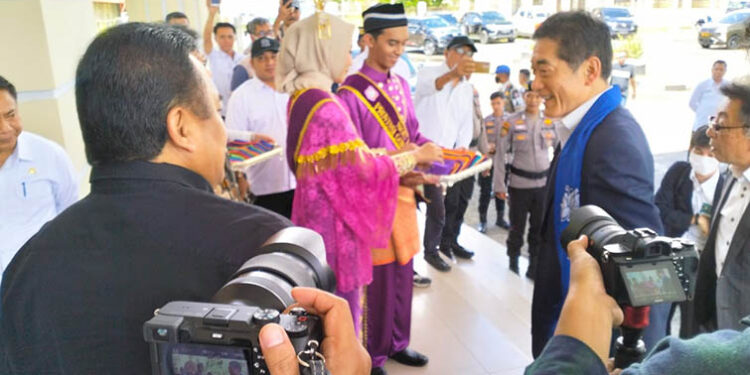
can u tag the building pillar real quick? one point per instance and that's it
(43, 40)
(156, 10)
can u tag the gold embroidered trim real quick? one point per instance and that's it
(329, 151)
(405, 163)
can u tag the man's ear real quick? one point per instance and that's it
(369, 41)
(181, 129)
(592, 69)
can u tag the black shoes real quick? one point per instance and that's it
(482, 227)
(421, 281)
(436, 261)
(502, 224)
(462, 253)
(447, 250)
(410, 357)
(513, 264)
(531, 271)
(378, 371)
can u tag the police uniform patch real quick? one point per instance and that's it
(506, 129)
(520, 137)
(548, 122)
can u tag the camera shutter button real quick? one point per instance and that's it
(264, 316)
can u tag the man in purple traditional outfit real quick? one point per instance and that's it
(381, 109)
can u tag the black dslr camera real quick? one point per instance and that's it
(221, 337)
(639, 268)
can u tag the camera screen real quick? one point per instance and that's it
(188, 359)
(652, 283)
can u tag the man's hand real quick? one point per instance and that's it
(257, 137)
(465, 67)
(342, 350)
(285, 11)
(414, 179)
(428, 154)
(588, 313)
(704, 223)
(211, 8)
(486, 173)
(502, 196)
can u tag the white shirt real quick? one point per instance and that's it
(401, 68)
(37, 182)
(705, 101)
(703, 193)
(568, 124)
(258, 108)
(222, 67)
(731, 214)
(445, 116)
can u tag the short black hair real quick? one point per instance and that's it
(579, 36)
(7, 86)
(497, 94)
(224, 24)
(722, 62)
(699, 138)
(174, 15)
(127, 81)
(739, 92)
(254, 24)
(375, 33)
(525, 72)
(190, 32)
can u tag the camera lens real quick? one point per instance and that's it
(292, 257)
(595, 223)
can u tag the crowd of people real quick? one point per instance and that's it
(80, 278)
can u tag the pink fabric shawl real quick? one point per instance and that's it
(344, 191)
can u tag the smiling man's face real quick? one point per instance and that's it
(561, 88)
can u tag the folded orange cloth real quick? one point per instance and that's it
(404, 242)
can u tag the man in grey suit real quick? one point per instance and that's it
(722, 296)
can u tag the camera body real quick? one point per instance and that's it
(639, 267)
(222, 338)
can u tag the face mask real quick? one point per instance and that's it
(703, 165)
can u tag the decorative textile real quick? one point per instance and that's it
(568, 177)
(240, 150)
(455, 161)
(308, 59)
(344, 192)
(404, 242)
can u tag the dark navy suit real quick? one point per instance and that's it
(618, 176)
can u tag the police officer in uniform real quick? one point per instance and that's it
(524, 142)
(513, 97)
(492, 123)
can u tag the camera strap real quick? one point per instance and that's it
(311, 361)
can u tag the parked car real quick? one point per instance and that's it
(430, 34)
(619, 20)
(729, 31)
(737, 5)
(488, 26)
(527, 20)
(448, 17)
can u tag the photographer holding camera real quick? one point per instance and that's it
(76, 296)
(582, 338)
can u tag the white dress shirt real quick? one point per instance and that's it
(568, 124)
(445, 116)
(705, 101)
(258, 108)
(222, 67)
(731, 214)
(37, 182)
(703, 193)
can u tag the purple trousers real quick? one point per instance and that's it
(388, 311)
(354, 298)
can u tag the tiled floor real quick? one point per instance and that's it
(474, 319)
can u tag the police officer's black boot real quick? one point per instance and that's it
(513, 263)
(531, 271)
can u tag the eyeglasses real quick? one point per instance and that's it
(464, 51)
(715, 125)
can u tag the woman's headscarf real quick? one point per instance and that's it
(313, 53)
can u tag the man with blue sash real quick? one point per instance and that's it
(380, 105)
(603, 157)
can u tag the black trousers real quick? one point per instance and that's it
(280, 203)
(456, 202)
(485, 195)
(435, 218)
(525, 203)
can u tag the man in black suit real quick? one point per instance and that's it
(572, 61)
(721, 295)
(75, 297)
